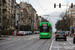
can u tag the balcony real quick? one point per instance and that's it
(0, 2)
(4, 17)
(4, 7)
(4, 1)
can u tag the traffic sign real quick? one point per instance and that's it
(70, 27)
(60, 29)
(74, 27)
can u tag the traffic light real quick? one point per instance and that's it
(54, 5)
(71, 5)
(59, 5)
(17, 22)
(16, 27)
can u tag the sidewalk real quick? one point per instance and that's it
(6, 36)
(71, 36)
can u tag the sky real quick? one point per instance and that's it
(46, 7)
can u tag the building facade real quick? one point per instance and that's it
(31, 14)
(72, 15)
(37, 21)
(24, 16)
(6, 13)
(0, 10)
(13, 14)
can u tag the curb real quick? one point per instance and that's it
(7, 36)
(71, 36)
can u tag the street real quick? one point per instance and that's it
(32, 42)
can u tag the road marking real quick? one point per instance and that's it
(57, 46)
(71, 44)
(51, 45)
(61, 43)
(64, 43)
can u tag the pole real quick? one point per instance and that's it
(72, 23)
(28, 1)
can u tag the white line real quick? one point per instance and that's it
(64, 43)
(57, 46)
(71, 44)
(51, 45)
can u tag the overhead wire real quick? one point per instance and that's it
(41, 7)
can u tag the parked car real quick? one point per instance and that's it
(26, 32)
(74, 39)
(30, 32)
(61, 35)
(36, 32)
(67, 33)
(21, 33)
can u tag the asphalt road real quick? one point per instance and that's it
(61, 44)
(32, 42)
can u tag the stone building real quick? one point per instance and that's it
(0, 11)
(24, 16)
(72, 15)
(31, 18)
(7, 16)
(6, 13)
(13, 14)
(37, 21)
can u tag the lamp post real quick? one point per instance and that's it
(71, 20)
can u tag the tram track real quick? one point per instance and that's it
(20, 43)
(40, 47)
(35, 43)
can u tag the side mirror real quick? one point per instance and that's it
(55, 32)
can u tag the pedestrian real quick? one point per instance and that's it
(16, 32)
(12, 32)
(70, 34)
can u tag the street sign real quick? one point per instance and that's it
(74, 27)
(60, 29)
(70, 27)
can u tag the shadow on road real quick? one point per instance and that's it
(44, 38)
(60, 40)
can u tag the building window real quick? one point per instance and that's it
(6, 14)
(11, 11)
(6, 6)
(9, 0)
(9, 8)
(0, 15)
(29, 8)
